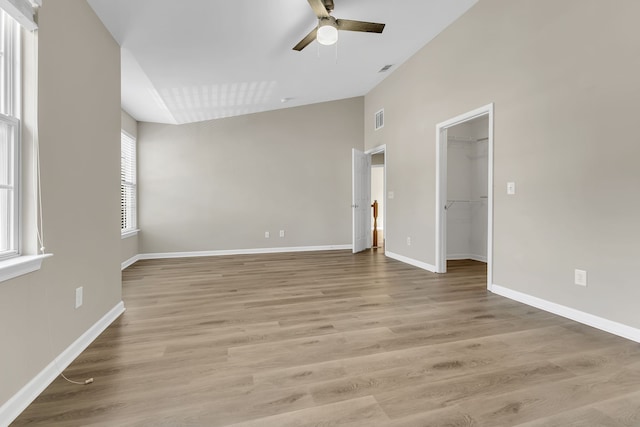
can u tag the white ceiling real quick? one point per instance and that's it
(193, 60)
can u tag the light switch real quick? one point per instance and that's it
(390, 195)
(580, 277)
(78, 297)
(511, 188)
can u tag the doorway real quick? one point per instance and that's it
(362, 209)
(464, 189)
(377, 200)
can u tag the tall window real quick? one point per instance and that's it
(9, 137)
(128, 191)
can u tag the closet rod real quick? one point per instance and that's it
(452, 202)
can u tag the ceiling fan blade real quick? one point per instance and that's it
(328, 4)
(305, 41)
(318, 8)
(366, 27)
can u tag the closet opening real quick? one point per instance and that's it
(464, 196)
(467, 190)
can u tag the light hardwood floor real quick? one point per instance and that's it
(335, 339)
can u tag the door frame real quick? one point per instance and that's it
(441, 188)
(377, 150)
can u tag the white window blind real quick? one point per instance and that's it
(9, 137)
(128, 192)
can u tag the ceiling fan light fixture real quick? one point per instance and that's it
(327, 31)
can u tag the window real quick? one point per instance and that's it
(13, 262)
(9, 137)
(128, 223)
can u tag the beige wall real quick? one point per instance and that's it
(219, 185)
(564, 80)
(129, 246)
(79, 110)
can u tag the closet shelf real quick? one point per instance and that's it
(452, 202)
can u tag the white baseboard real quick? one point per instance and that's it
(456, 257)
(411, 261)
(13, 407)
(597, 322)
(130, 262)
(162, 255)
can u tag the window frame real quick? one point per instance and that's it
(13, 210)
(128, 169)
(10, 108)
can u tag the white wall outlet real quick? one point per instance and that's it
(580, 277)
(408, 241)
(78, 297)
(267, 235)
(281, 233)
(511, 188)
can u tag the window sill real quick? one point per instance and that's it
(130, 233)
(20, 265)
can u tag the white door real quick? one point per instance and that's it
(361, 200)
(441, 202)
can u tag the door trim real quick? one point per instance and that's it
(441, 188)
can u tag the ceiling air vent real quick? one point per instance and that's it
(385, 68)
(380, 119)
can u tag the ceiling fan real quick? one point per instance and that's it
(327, 30)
